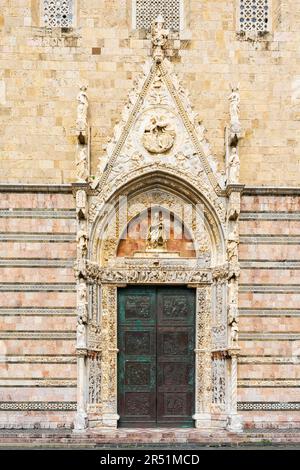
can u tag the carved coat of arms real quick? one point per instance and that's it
(159, 135)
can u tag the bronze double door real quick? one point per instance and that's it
(156, 368)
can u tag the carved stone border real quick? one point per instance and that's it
(147, 275)
(107, 408)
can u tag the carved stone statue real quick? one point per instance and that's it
(81, 203)
(234, 206)
(232, 291)
(82, 172)
(159, 136)
(233, 322)
(82, 242)
(156, 234)
(234, 108)
(81, 343)
(82, 110)
(159, 38)
(234, 332)
(82, 301)
(232, 246)
(233, 169)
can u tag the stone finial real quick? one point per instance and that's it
(159, 38)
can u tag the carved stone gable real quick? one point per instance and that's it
(159, 131)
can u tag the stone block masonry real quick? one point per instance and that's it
(269, 365)
(41, 68)
(37, 308)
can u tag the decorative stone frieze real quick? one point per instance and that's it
(146, 275)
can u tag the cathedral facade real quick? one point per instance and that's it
(150, 212)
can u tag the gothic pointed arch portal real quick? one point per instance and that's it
(158, 173)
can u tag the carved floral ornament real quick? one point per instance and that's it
(147, 274)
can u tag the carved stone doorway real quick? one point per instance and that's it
(156, 361)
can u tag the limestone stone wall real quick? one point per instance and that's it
(40, 73)
(37, 309)
(40, 70)
(269, 367)
(38, 318)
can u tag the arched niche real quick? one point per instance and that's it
(135, 240)
(206, 271)
(172, 195)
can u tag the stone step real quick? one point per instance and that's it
(142, 436)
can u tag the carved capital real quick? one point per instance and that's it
(81, 352)
(234, 351)
(220, 272)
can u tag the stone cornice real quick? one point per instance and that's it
(271, 191)
(35, 188)
(67, 188)
(234, 188)
(78, 186)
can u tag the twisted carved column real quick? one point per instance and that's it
(235, 421)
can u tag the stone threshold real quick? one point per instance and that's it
(137, 437)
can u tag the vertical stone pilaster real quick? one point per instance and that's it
(80, 193)
(109, 356)
(233, 212)
(203, 381)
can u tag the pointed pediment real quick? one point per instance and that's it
(159, 130)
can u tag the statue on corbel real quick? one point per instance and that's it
(82, 131)
(234, 108)
(232, 245)
(233, 136)
(233, 323)
(82, 114)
